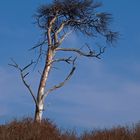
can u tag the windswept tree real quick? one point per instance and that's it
(57, 20)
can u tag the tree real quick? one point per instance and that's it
(58, 20)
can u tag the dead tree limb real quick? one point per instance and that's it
(65, 80)
(82, 53)
(23, 75)
(67, 60)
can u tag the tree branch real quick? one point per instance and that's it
(59, 41)
(65, 80)
(60, 28)
(38, 45)
(67, 60)
(82, 53)
(63, 37)
(23, 76)
(50, 25)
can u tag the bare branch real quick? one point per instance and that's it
(82, 53)
(67, 60)
(62, 83)
(102, 50)
(15, 65)
(58, 42)
(64, 36)
(39, 45)
(28, 86)
(38, 18)
(26, 74)
(39, 56)
(27, 66)
(49, 31)
(60, 28)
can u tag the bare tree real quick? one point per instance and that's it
(58, 20)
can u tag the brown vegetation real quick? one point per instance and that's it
(27, 129)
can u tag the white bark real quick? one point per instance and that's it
(41, 89)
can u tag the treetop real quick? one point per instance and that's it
(77, 15)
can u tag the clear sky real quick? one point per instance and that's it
(102, 93)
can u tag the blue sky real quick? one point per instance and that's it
(102, 93)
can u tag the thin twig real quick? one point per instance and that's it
(67, 60)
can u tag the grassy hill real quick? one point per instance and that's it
(27, 129)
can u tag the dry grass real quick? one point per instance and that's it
(118, 133)
(27, 129)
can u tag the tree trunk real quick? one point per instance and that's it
(42, 85)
